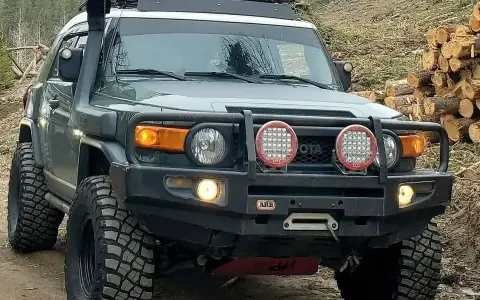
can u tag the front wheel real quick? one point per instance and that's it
(108, 255)
(407, 271)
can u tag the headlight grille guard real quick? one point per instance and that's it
(246, 121)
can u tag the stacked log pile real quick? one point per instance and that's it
(446, 88)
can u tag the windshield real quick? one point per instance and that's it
(190, 46)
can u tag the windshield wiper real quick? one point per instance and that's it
(152, 72)
(222, 74)
(284, 76)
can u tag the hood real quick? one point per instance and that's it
(225, 96)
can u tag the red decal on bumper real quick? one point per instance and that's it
(269, 266)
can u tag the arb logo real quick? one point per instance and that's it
(266, 205)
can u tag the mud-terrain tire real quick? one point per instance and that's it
(108, 255)
(407, 271)
(32, 222)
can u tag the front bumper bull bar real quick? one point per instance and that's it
(376, 215)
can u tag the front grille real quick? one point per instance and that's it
(314, 150)
(291, 112)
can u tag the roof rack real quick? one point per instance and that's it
(260, 8)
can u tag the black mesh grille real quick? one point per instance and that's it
(314, 150)
(292, 112)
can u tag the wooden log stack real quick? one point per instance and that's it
(446, 88)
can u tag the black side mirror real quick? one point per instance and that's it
(69, 64)
(344, 69)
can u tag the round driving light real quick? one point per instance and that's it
(391, 151)
(208, 146)
(405, 195)
(356, 147)
(348, 67)
(66, 53)
(276, 144)
(207, 190)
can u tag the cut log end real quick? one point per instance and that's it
(442, 34)
(476, 11)
(471, 89)
(474, 24)
(474, 132)
(457, 129)
(466, 108)
(430, 59)
(443, 64)
(431, 38)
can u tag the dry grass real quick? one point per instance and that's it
(383, 37)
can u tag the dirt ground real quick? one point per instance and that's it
(40, 275)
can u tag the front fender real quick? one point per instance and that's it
(29, 133)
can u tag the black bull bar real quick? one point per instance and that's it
(246, 121)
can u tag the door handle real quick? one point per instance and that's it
(54, 102)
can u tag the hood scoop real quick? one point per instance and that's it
(291, 111)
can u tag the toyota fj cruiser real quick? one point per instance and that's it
(218, 135)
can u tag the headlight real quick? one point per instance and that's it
(208, 146)
(391, 150)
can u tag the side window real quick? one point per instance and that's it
(66, 43)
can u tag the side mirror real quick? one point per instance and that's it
(69, 63)
(344, 69)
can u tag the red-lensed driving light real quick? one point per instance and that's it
(276, 144)
(356, 147)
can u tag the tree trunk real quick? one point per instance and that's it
(404, 100)
(380, 95)
(370, 95)
(431, 38)
(439, 79)
(456, 64)
(430, 59)
(420, 78)
(446, 52)
(474, 132)
(441, 105)
(465, 74)
(442, 34)
(399, 89)
(457, 129)
(417, 110)
(462, 31)
(443, 63)
(424, 91)
(476, 11)
(446, 118)
(467, 109)
(476, 72)
(407, 110)
(463, 47)
(474, 24)
(471, 89)
(430, 137)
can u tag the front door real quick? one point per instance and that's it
(63, 141)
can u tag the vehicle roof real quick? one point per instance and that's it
(134, 13)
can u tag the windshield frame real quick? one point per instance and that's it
(318, 41)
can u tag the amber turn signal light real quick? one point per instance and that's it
(413, 145)
(161, 138)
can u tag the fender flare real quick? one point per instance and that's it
(31, 135)
(113, 151)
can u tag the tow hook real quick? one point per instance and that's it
(352, 261)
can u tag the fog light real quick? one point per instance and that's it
(207, 190)
(405, 195)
